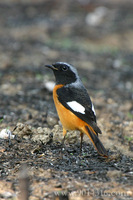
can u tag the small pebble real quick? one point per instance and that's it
(42, 135)
(49, 85)
(7, 195)
(95, 18)
(6, 133)
(40, 130)
(23, 130)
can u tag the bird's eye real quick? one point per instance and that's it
(64, 68)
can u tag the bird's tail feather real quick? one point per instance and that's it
(95, 140)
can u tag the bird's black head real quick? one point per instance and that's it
(64, 73)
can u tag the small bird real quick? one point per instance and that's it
(74, 106)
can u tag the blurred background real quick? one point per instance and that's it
(96, 36)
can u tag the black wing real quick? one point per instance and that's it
(69, 94)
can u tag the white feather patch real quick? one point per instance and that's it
(76, 107)
(93, 109)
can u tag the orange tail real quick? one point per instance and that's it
(95, 140)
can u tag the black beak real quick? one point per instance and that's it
(51, 67)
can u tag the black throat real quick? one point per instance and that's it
(66, 79)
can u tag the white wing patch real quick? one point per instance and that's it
(74, 105)
(93, 109)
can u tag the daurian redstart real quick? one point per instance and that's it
(74, 106)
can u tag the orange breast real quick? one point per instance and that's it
(69, 120)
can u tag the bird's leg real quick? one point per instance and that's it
(64, 134)
(81, 136)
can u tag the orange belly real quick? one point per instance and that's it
(68, 119)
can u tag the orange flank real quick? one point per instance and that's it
(69, 120)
